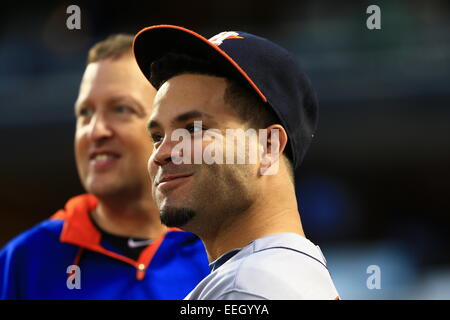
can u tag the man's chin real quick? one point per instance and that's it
(176, 217)
(103, 190)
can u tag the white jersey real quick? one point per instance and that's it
(276, 267)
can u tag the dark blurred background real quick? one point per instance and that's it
(374, 188)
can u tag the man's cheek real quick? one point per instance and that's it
(151, 167)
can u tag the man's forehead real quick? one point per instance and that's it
(118, 70)
(106, 93)
(189, 91)
(114, 78)
(100, 80)
(197, 86)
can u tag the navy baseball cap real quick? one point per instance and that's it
(270, 70)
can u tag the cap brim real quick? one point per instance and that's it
(152, 43)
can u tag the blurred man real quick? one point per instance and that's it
(245, 212)
(110, 243)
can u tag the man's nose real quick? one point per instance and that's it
(100, 128)
(162, 154)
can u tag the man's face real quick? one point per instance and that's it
(196, 196)
(111, 141)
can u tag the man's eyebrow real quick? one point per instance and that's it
(113, 100)
(77, 105)
(190, 115)
(152, 124)
(127, 99)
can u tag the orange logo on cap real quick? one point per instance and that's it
(219, 38)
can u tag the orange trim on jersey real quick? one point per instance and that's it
(226, 56)
(79, 230)
(235, 37)
(147, 255)
(78, 257)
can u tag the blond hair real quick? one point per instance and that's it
(113, 47)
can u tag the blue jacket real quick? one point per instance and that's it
(34, 265)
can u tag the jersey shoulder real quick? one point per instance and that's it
(41, 234)
(283, 273)
(282, 267)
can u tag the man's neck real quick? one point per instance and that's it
(251, 225)
(129, 218)
(275, 212)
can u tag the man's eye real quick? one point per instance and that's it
(156, 137)
(193, 128)
(123, 109)
(85, 112)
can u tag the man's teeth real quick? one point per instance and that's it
(103, 156)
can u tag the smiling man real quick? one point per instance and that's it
(110, 243)
(246, 217)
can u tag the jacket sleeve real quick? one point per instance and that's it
(8, 283)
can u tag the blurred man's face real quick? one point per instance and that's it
(111, 141)
(196, 196)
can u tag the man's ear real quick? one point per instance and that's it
(273, 141)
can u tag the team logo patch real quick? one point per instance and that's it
(219, 38)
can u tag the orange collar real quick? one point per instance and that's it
(79, 230)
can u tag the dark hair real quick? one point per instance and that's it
(238, 94)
